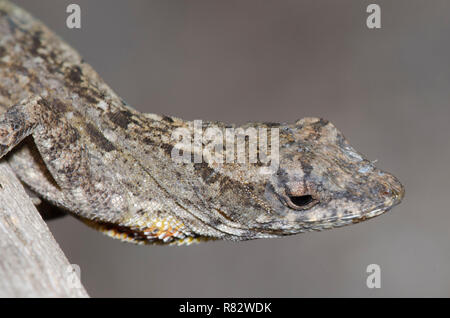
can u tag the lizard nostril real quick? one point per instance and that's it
(398, 192)
(393, 188)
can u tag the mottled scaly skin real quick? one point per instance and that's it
(79, 146)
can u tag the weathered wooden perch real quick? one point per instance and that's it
(31, 262)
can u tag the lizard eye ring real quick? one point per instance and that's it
(301, 202)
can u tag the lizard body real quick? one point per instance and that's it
(79, 146)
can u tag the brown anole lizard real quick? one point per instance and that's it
(79, 146)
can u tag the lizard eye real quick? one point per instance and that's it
(301, 202)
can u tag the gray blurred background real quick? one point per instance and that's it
(236, 61)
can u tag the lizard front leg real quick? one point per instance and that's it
(17, 123)
(62, 147)
(88, 172)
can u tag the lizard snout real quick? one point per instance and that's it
(396, 190)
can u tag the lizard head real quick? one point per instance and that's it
(320, 182)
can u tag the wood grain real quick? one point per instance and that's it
(31, 262)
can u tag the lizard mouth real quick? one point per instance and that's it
(393, 197)
(392, 194)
